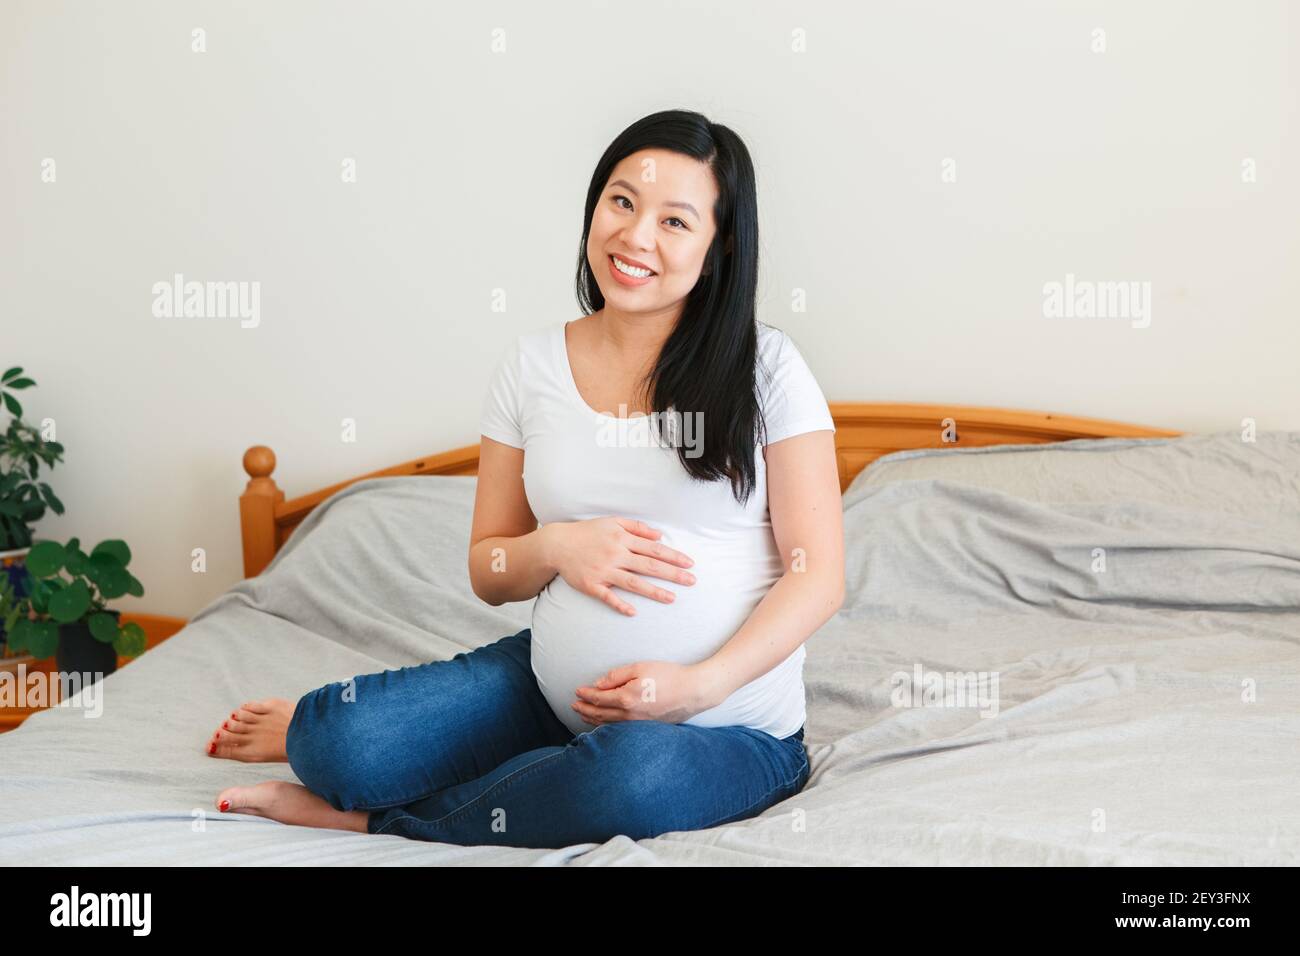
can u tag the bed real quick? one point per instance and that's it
(1121, 603)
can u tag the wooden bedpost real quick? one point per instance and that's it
(257, 510)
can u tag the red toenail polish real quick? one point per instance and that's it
(225, 805)
(225, 724)
(212, 748)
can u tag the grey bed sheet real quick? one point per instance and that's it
(1145, 714)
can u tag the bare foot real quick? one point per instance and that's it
(254, 733)
(290, 803)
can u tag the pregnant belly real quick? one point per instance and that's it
(576, 638)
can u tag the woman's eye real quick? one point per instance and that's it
(629, 206)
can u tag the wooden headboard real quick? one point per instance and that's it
(863, 433)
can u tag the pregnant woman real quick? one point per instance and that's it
(660, 476)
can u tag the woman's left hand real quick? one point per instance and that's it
(647, 690)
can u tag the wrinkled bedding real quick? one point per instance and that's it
(1084, 653)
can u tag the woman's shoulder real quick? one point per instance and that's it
(527, 359)
(792, 400)
(777, 353)
(769, 335)
(776, 344)
(541, 338)
(532, 347)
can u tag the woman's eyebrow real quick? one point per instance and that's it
(632, 189)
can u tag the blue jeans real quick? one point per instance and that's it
(467, 751)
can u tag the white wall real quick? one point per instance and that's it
(472, 168)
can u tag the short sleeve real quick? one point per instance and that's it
(793, 402)
(500, 419)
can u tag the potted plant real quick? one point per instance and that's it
(68, 616)
(23, 498)
(10, 607)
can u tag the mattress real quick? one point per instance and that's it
(1082, 653)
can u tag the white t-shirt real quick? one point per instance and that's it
(581, 464)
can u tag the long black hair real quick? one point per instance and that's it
(707, 364)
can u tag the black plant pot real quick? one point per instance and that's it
(80, 653)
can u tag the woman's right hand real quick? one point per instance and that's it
(599, 554)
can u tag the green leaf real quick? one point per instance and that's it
(130, 640)
(32, 507)
(116, 583)
(42, 639)
(71, 603)
(116, 549)
(20, 383)
(17, 636)
(111, 578)
(134, 588)
(103, 627)
(11, 403)
(11, 373)
(39, 595)
(99, 565)
(45, 558)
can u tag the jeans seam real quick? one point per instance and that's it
(403, 801)
(509, 778)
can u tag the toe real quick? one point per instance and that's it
(223, 745)
(257, 706)
(258, 800)
(233, 800)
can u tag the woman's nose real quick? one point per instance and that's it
(641, 234)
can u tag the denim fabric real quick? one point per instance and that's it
(467, 751)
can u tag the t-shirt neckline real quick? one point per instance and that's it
(566, 368)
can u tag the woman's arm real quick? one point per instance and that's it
(512, 559)
(508, 554)
(803, 493)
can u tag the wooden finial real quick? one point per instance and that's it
(259, 461)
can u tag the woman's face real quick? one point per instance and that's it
(655, 213)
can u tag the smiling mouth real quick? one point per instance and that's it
(621, 262)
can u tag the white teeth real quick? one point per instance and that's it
(632, 271)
